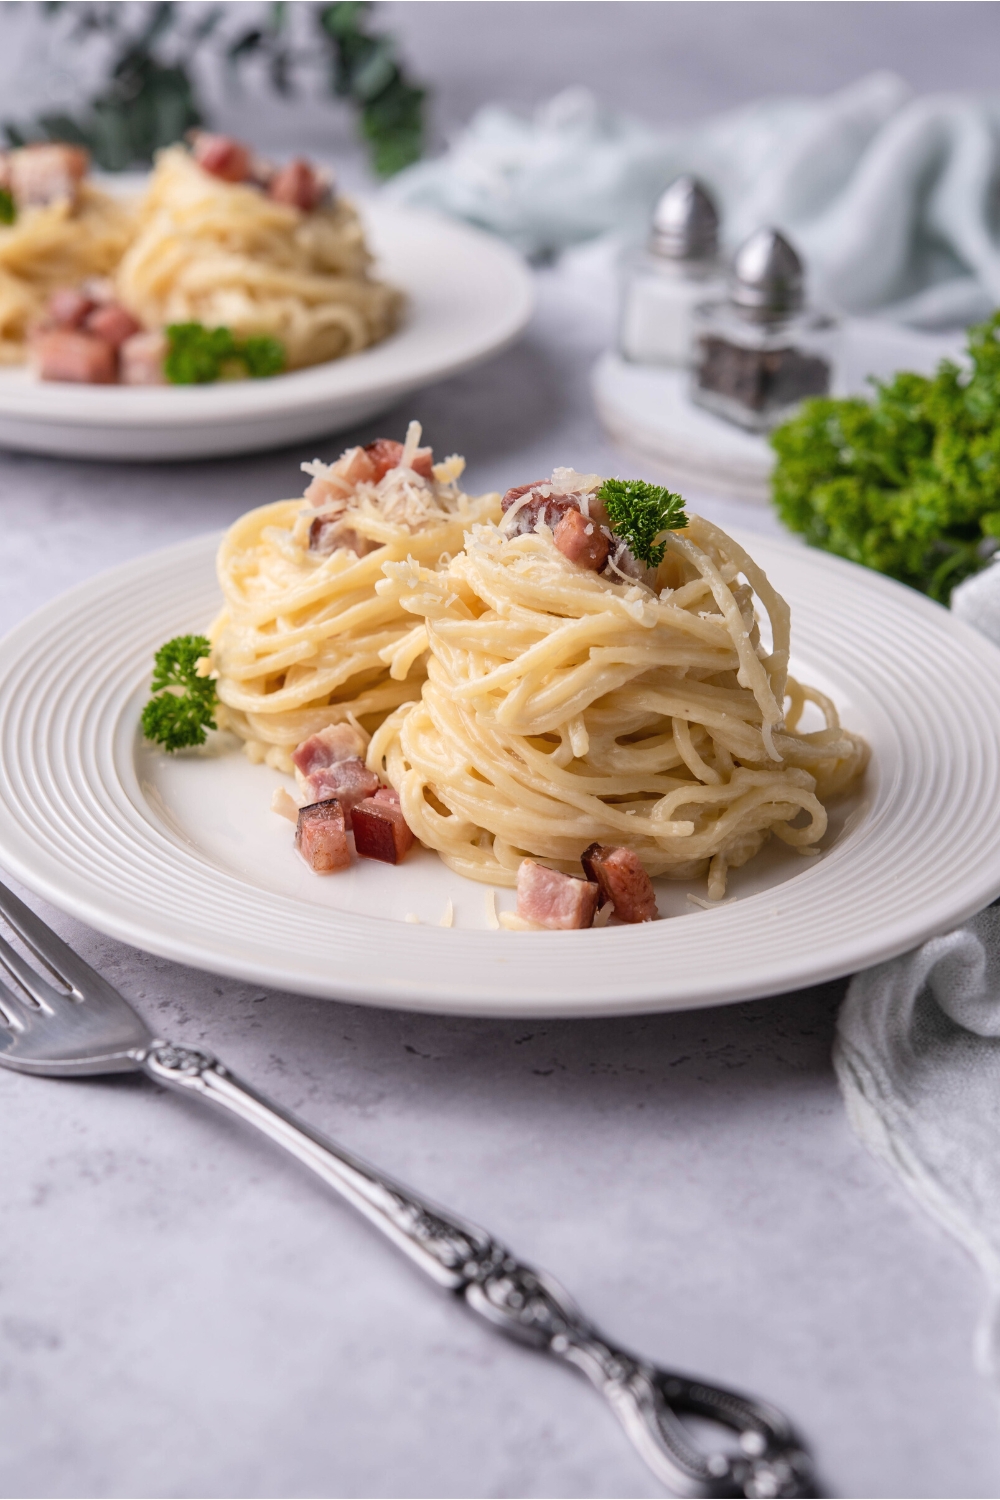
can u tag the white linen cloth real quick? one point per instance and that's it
(889, 196)
(917, 1056)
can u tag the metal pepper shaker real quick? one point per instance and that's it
(762, 350)
(664, 281)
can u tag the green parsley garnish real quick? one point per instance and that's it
(197, 355)
(8, 208)
(907, 484)
(639, 513)
(177, 719)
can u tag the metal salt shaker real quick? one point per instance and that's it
(664, 281)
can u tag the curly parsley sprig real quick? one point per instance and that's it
(182, 707)
(639, 512)
(197, 355)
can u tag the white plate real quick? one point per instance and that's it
(469, 297)
(182, 856)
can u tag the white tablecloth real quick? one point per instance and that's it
(183, 1313)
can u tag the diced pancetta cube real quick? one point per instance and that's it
(45, 172)
(335, 742)
(547, 508)
(387, 794)
(222, 156)
(65, 354)
(351, 468)
(326, 536)
(140, 359)
(112, 323)
(561, 902)
(321, 836)
(380, 830)
(581, 541)
(350, 781)
(299, 184)
(68, 306)
(623, 881)
(385, 454)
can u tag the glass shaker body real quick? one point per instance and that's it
(755, 372)
(658, 298)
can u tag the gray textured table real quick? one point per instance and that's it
(184, 1313)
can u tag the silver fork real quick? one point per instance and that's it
(80, 1025)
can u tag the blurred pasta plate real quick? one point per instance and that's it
(468, 297)
(181, 855)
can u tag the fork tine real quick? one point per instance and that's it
(14, 1014)
(29, 979)
(53, 952)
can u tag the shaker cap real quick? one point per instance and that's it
(767, 276)
(685, 222)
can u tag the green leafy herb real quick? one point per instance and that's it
(147, 99)
(151, 55)
(366, 69)
(908, 484)
(8, 212)
(197, 355)
(639, 513)
(262, 356)
(182, 707)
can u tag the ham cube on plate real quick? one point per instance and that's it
(581, 541)
(68, 306)
(380, 830)
(335, 742)
(623, 881)
(140, 359)
(299, 184)
(111, 323)
(222, 156)
(65, 354)
(560, 902)
(321, 836)
(350, 781)
(329, 764)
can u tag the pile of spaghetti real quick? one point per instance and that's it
(305, 640)
(227, 241)
(60, 230)
(575, 695)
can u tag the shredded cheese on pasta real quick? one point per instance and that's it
(563, 707)
(305, 640)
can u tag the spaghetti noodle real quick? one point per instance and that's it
(305, 640)
(78, 235)
(564, 706)
(225, 254)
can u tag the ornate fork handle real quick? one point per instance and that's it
(526, 1305)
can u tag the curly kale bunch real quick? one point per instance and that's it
(908, 484)
(182, 707)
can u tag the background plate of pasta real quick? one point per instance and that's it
(570, 750)
(226, 303)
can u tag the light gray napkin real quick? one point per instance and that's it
(917, 1055)
(918, 1059)
(889, 196)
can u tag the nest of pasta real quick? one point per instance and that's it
(227, 254)
(305, 640)
(64, 230)
(564, 706)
